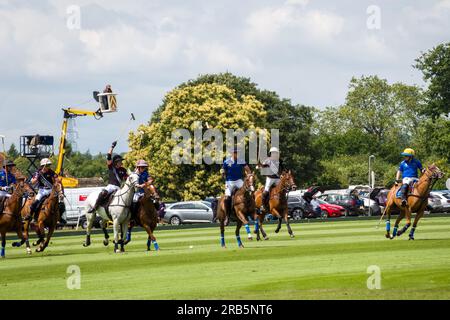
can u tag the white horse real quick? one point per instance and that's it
(119, 211)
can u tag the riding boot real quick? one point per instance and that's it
(265, 202)
(2, 204)
(33, 210)
(404, 195)
(100, 200)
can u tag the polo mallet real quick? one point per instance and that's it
(133, 118)
(4, 153)
(381, 219)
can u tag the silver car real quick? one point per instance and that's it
(189, 212)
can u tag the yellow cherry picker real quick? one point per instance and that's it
(108, 104)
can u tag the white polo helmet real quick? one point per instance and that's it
(274, 149)
(45, 162)
(142, 163)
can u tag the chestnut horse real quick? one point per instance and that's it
(243, 205)
(47, 217)
(147, 215)
(10, 219)
(417, 202)
(278, 205)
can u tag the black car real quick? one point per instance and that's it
(299, 209)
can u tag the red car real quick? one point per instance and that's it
(332, 210)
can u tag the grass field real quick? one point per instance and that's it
(327, 260)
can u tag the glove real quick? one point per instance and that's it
(114, 144)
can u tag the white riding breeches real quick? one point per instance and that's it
(230, 186)
(271, 182)
(137, 196)
(409, 181)
(4, 194)
(43, 193)
(111, 188)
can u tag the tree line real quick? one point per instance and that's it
(328, 147)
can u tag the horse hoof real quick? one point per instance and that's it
(292, 236)
(411, 238)
(38, 250)
(86, 245)
(250, 238)
(224, 247)
(106, 242)
(35, 244)
(29, 252)
(267, 238)
(277, 231)
(241, 247)
(16, 244)
(117, 251)
(388, 236)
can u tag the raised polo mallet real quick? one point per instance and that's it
(133, 118)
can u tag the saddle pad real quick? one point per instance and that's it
(398, 194)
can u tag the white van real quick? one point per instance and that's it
(75, 202)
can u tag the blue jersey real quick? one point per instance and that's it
(409, 169)
(143, 178)
(11, 179)
(234, 169)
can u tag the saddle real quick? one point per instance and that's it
(106, 202)
(411, 188)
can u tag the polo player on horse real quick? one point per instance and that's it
(7, 178)
(407, 173)
(232, 171)
(45, 178)
(272, 167)
(117, 175)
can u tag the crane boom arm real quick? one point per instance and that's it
(70, 114)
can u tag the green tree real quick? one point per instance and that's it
(377, 118)
(214, 104)
(435, 66)
(13, 153)
(294, 122)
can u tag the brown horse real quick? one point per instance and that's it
(417, 202)
(147, 215)
(10, 219)
(278, 205)
(243, 205)
(48, 216)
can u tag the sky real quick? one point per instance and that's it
(54, 53)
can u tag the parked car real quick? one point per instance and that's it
(189, 212)
(297, 208)
(331, 210)
(351, 205)
(434, 204)
(444, 198)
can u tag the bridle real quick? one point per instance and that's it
(121, 195)
(431, 180)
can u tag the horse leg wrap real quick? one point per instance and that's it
(411, 233)
(394, 233)
(149, 245)
(222, 241)
(156, 245)
(129, 236)
(247, 228)
(239, 241)
(3, 252)
(388, 226)
(256, 226)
